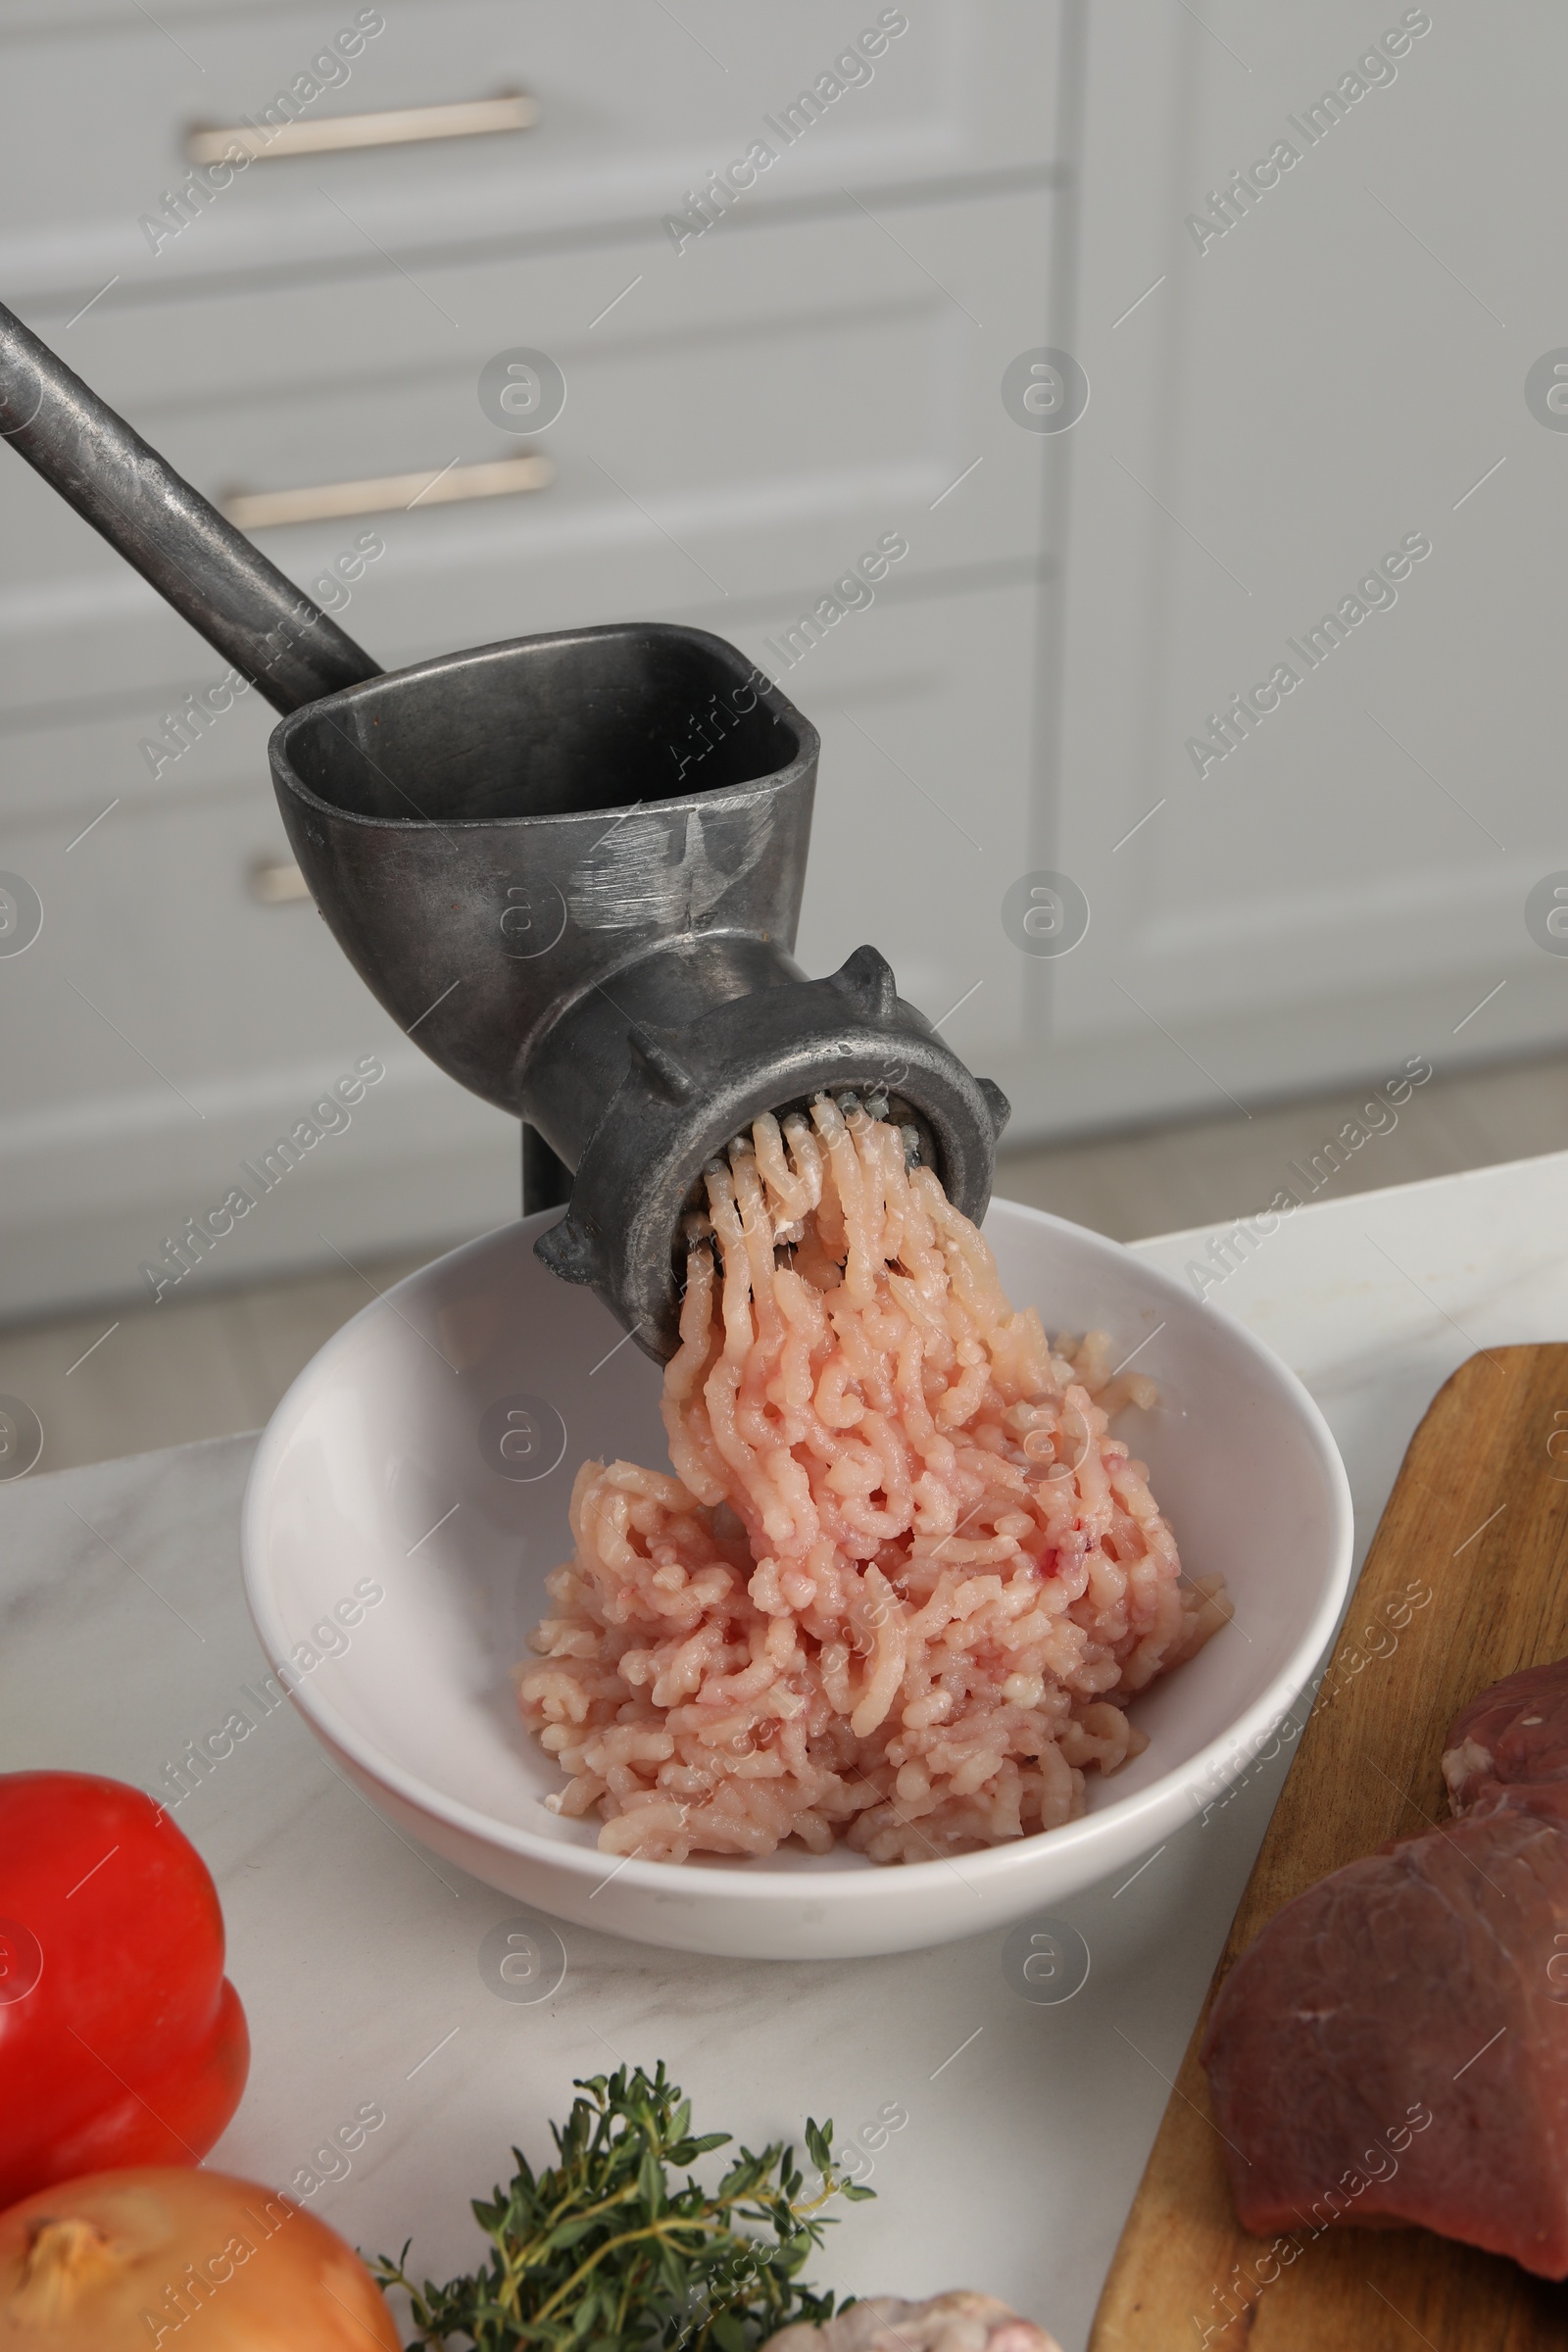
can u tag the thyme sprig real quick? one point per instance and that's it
(604, 2247)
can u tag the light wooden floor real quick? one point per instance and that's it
(221, 1363)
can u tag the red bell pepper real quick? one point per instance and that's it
(121, 2042)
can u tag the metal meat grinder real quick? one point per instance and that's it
(569, 866)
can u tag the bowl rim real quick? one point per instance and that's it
(749, 1877)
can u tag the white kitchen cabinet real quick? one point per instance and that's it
(924, 812)
(796, 388)
(1345, 366)
(746, 417)
(636, 107)
(1269, 416)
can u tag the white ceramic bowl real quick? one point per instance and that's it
(389, 1466)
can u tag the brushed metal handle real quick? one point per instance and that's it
(391, 127)
(495, 477)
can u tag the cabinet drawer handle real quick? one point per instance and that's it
(496, 477)
(277, 882)
(394, 127)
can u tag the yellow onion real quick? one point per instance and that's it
(188, 2261)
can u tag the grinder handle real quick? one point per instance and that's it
(272, 633)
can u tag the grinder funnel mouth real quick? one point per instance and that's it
(571, 723)
(495, 834)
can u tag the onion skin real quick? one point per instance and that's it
(191, 2260)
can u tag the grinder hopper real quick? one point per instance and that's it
(569, 866)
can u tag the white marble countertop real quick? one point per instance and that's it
(124, 1635)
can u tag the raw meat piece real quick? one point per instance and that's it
(1513, 1733)
(1394, 2046)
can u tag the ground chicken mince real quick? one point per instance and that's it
(903, 1582)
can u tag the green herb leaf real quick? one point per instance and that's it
(616, 2242)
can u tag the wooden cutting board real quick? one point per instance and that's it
(1479, 1520)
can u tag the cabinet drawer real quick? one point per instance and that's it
(925, 798)
(745, 424)
(635, 109)
(159, 980)
(165, 1027)
(60, 772)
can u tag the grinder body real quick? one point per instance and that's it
(570, 866)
